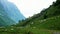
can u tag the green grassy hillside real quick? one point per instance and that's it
(53, 10)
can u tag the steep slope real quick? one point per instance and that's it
(9, 13)
(4, 18)
(52, 12)
(12, 11)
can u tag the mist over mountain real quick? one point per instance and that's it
(9, 13)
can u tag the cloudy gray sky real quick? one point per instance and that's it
(31, 7)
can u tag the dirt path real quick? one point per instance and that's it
(57, 32)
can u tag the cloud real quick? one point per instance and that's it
(31, 7)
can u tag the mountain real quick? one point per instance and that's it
(52, 11)
(46, 22)
(12, 10)
(9, 13)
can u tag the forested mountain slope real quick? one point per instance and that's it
(9, 13)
